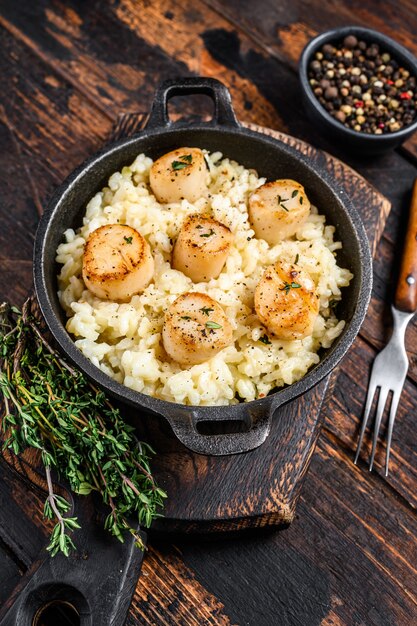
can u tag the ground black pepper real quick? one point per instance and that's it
(362, 87)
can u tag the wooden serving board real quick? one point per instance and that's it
(261, 487)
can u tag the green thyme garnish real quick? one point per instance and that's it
(53, 408)
(199, 226)
(206, 310)
(281, 202)
(294, 193)
(185, 317)
(265, 339)
(212, 232)
(297, 259)
(128, 239)
(185, 160)
(213, 325)
(177, 165)
(288, 286)
(301, 199)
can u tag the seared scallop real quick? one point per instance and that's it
(286, 301)
(201, 249)
(178, 175)
(277, 209)
(117, 262)
(195, 329)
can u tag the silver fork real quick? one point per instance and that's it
(391, 364)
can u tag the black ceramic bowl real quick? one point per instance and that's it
(272, 159)
(348, 138)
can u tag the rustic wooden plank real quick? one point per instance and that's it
(296, 22)
(9, 574)
(17, 202)
(120, 78)
(22, 527)
(170, 594)
(309, 565)
(284, 30)
(349, 558)
(302, 578)
(71, 40)
(46, 116)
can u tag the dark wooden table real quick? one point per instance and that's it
(67, 70)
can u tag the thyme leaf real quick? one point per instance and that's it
(178, 165)
(184, 161)
(128, 239)
(206, 310)
(213, 325)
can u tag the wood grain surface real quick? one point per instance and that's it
(68, 69)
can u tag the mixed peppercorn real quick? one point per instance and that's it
(363, 87)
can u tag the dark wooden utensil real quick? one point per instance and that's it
(93, 586)
(406, 294)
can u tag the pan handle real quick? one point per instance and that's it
(224, 114)
(257, 419)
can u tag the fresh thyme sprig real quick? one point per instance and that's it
(50, 406)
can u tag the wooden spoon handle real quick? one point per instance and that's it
(406, 293)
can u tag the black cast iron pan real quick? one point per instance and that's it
(270, 158)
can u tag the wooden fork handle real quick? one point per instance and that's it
(406, 293)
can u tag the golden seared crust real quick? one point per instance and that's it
(117, 262)
(286, 301)
(277, 209)
(195, 329)
(202, 247)
(195, 231)
(179, 175)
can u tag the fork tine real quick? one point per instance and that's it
(392, 413)
(383, 394)
(369, 398)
